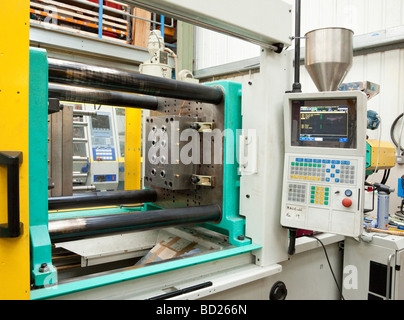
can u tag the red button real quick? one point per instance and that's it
(347, 202)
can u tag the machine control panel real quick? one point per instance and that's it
(104, 167)
(324, 166)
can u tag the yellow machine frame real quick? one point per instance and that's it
(14, 101)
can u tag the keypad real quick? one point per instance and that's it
(297, 192)
(320, 195)
(322, 170)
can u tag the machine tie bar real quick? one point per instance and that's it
(78, 228)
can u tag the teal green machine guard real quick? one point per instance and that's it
(44, 275)
(42, 270)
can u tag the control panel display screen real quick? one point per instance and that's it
(324, 123)
(100, 122)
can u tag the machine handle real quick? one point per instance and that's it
(12, 160)
(388, 280)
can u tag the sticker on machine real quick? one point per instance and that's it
(295, 212)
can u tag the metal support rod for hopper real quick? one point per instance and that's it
(98, 199)
(104, 97)
(84, 227)
(78, 74)
(297, 87)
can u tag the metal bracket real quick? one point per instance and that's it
(203, 126)
(248, 154)
(54, 105)
(206, 181)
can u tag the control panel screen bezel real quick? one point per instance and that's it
(301, 137)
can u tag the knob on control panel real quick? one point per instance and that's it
(347, 202)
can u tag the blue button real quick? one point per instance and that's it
(337, 171)
(336, 180)
(327, 170)
(348, 193)
(327, 179)
(332, 175)
(333, 166)
(308, 160)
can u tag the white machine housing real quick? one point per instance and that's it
(323, 185)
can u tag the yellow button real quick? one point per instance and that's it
(296, 177)
(321, 198)
(321, 193)
(321, 202)
(318, 179)
(304, 177)
(300, 177)
(322, 188)
(291, 176)
(317, 197)
(309, 178)
(317, 201)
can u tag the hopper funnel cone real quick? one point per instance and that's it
(329, 54)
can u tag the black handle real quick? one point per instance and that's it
(12, 160)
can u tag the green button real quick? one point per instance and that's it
(326, 203)
(310, 165)
(326, 198)
(327, 193)
(301, 164)
(293, 163)
(313, 191)
(327, 189)
(311, 201)
(313, 188)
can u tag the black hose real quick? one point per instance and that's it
(393, 125)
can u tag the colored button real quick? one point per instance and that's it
(347, 202)
(348, 193)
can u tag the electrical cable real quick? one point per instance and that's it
(393, 125)
(329, 264)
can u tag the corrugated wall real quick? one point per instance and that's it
(362, 16)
